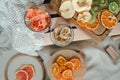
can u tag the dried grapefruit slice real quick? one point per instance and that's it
(55, 69)
(69, 65)
(37, 19)
(77, 63)
(21, 75)
(67, 74)
(61, 60)
(29, 69)
(108, 19)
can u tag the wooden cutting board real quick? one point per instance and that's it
(98, 35)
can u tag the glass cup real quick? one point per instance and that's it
(29, 22)
(62, 35)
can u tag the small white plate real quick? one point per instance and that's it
(19, 60)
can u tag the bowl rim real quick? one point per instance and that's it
(66, 43)
(44, 30)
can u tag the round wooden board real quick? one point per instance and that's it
(18, 60)
(78, 75)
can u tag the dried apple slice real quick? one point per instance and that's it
(84, 16)
(81, 5)
(66, 9)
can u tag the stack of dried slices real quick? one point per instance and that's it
(62, 69)
(91, 13)
(25, 72)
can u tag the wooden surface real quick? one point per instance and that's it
(112, 52)
(78, 75)
(99, 34)
(79, 34)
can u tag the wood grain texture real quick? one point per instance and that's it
(116, 37)
(112, 52)
(98, 35)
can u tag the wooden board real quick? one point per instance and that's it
(78, 75)
(98, 35)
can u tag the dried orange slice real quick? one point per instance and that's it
(58, 76)
(67, 74)
(69, 65)
(88, 25)
(55, 69)
(62, 68)
(77, 63)
(61, 60)
(93, 26)
(61, 78)
(108, 19)
(82, 23)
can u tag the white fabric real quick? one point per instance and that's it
(12, 20)
(99, 65)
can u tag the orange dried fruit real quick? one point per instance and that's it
(69, 65)
(93, 26)
(29, 69)
(82, 23)
(61, 60)
(67, 74)
(55, 69)
(62, 68)
(88, 25)
(77, 63)
(58, 76)
(61, 78)
(21, 75)
(108, 19)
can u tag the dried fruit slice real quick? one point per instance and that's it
(55, 69)
(81, 5)
(113, 7)
(67, 74)
(59, 77)
(61, 60)
(82, 23)
(84, 16)
(37, 20)
(65, 32)
(93, 26)
(29, 69)
(77, 63)
(69, 65)
(66, 10)
(62, 68)
(21, 75)
(108, 19)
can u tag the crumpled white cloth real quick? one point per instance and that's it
(12, 20)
